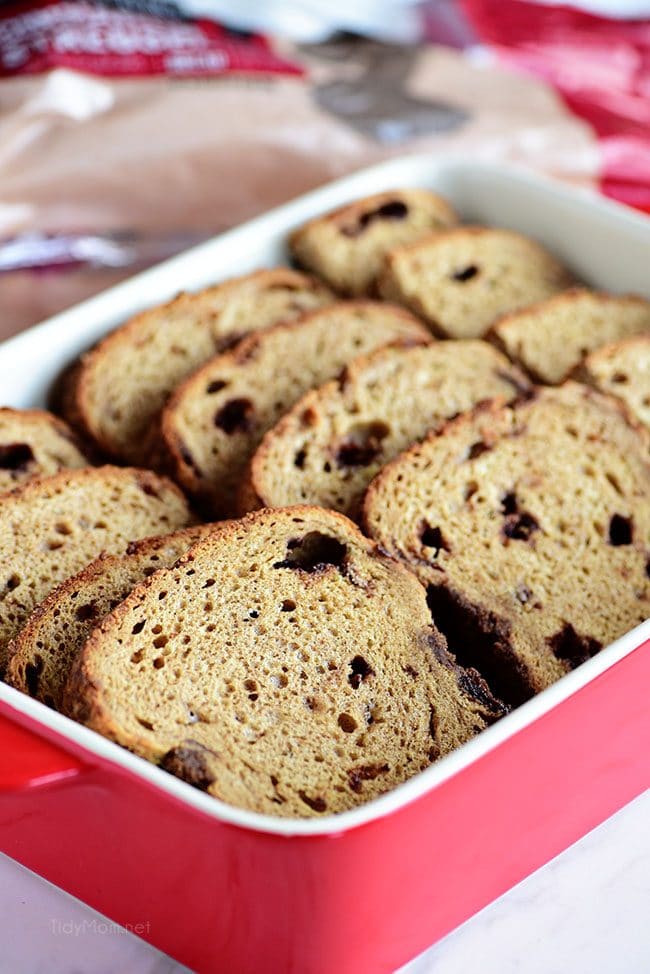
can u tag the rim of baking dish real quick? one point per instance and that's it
(409, 791)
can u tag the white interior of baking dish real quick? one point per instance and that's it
(606, 245)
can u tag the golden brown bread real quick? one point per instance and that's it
(346, 247)
(552, 337)
(330, 445)
(284, 664)
(530, 525)
(460, 281)
(51, 528)
(216, 418)
(34, 443)
(622, 369)
(42, 653)
(118, 388)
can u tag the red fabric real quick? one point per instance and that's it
(600, 67)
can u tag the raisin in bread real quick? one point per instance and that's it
(34, 443)
(334, 440)
(284, 664)
(41, 655)
(118, 388)
(622, 369)
(530, 525)
(346, 247)
(552, 337)
(462, 280)
(51, 528)
(216, 418)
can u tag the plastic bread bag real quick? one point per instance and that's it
(125, 136)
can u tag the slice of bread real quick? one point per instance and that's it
(462, 280)
(120, 386)
(216, 418)
(346, 248)
(623, 370)
(284, 664)
(34, 443)
(330, 445)
(51, 528)
(41, 655)
(552, 337)
(530, 525)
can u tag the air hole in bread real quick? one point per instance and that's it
(159, 662)
(85, 613)
(63, 527)
(572, 648)
(361, 445)
(620, 378)
(235, 416)
(160, 641)
(471, 488)
(391, 210)
(476, 450)
(138, 627)
(347, 723)
(279, 681)
(13, 582)
(209, 583)
(314, 552)
(523, 594)
(299, 459)
(360, 670)
(465, 273)
(145, 723)
(432, 537)
(509, 503)
(520, 526)
(33, 674)
(16, 456)
(288, 606)
(317, 804)
(365, 772)
(215, 386)
(621, 530)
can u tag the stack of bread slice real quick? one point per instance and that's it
(446, 387)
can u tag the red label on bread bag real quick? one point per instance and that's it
(39, 36)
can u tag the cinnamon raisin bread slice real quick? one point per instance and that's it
(119, 387)
(530, 525)
(41, 655)
(284, 664)
(51, 528)
(34, 443)
(623, 370)
(346, 247)
(462, 280)
(551, 338)
(330, 445)
(216, 418)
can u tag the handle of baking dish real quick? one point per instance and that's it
(27, 759)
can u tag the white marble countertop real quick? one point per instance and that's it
(587, 912)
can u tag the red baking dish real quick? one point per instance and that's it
(230, 891)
